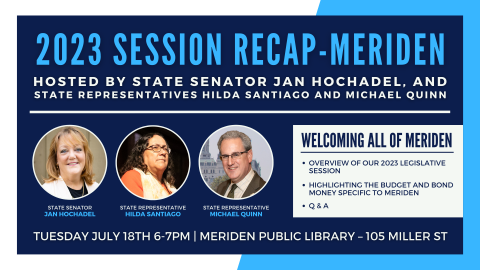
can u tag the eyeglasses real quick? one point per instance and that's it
(235, 155)
(157, 148)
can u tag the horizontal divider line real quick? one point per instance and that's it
(378, 152)
(240, 112)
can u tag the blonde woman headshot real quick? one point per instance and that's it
(69, 165)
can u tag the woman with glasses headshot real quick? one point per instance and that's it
(148, 172)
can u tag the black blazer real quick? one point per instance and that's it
(255, 185)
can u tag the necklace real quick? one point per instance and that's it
(83, 186)
(154, 176)
(162, 182)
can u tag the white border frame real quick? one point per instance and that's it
(104, 152)
(184, 144)
(200, 169)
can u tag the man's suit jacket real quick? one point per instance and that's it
(255, 185)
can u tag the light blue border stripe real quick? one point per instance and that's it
(470, 9)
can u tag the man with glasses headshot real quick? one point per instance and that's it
(236, 154)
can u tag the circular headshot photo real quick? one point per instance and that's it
(153, 162)
(69, 162)
(236, 162)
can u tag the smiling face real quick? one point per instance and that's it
(236, 169)
(156, 162)
(70, 157)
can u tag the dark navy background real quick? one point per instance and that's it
(195, 128)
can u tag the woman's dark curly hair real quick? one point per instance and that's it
(135, 159)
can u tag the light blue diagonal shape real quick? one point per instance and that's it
(471, 60)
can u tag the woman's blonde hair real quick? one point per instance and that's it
(74, 137)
